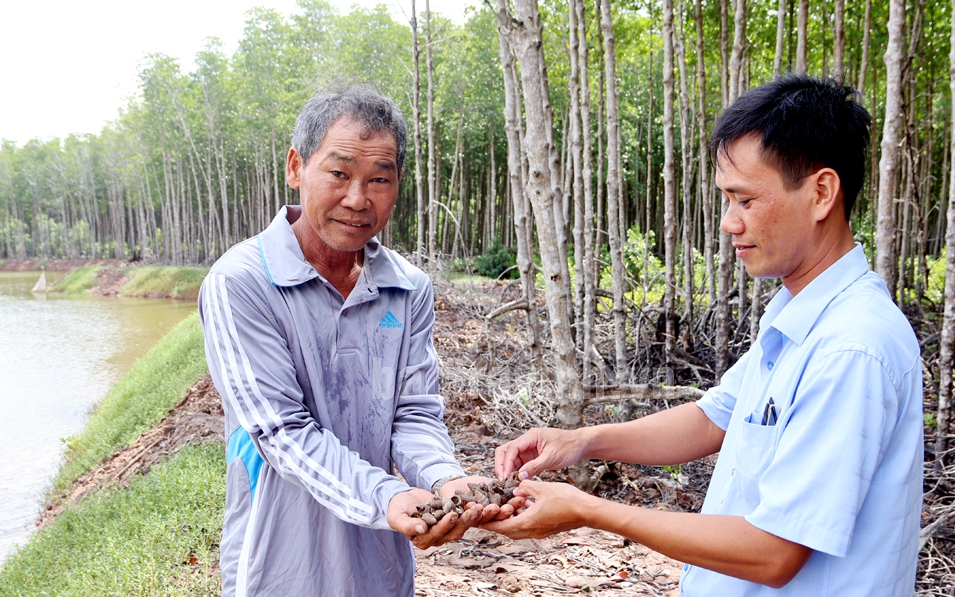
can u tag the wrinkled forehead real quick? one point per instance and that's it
(364, 132)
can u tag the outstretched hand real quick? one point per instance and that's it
(550, 508)
(536, 451)
(450, 528)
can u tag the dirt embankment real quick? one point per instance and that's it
(483, 563)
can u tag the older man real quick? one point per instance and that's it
(319, 340)
(819, 426)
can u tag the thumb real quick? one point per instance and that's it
(531, 469)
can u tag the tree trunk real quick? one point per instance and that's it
(780, 29)
(864, 65)
(669, 184)
(421, 210)
(707, 198)
(947, 339)
(432, 140)
(739, 45)
(839, 40)
(522, 217)
(576, 182)
(724, 52)
(686, 137)
(802, 24)
(591, 279)
(886, 250)
(523, 31)
(614, 195)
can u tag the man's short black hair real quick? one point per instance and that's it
(805, 124)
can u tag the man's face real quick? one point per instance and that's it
(348, 187)
(772, 227)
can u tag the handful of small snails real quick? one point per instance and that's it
(495, 492)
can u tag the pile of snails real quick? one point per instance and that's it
(495, 492)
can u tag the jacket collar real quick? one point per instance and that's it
(285, 264)
(795, 316)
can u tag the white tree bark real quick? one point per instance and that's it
(669, 183)
(780, 30)
(418, 153)
(707, 198)
(886, 249)
(724, 53)
(587, 175)
(686, 140)
(432, 180)
(523, 33)
(947, 340)
(522, 218)
(801, 26)
(739, 46)
(839, 39)
(864, 63)
(614, 195)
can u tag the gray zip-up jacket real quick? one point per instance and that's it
(323, 398)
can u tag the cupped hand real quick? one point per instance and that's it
(450, 528)
(538, 450)
(550, 508)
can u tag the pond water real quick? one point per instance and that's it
(58, 357)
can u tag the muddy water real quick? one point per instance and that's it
(58, 357)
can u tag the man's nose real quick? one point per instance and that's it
(730, 222)
(355, 197)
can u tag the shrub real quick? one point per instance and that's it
(497, 260)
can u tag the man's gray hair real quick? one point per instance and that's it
(362, 104)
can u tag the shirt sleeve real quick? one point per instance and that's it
(252, 368)
(719, 401)
(836, 432)
(420, 445)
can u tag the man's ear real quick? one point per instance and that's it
(828, 194)
(293, 168)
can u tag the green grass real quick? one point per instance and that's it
(138, 401)
(147, 280)
(77, 281)
(174, 282)
(159, 537)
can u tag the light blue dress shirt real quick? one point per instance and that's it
(840, 471)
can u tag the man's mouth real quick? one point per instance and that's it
(353, 224)
(742, 249)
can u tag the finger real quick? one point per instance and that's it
(515, 452)
(510, 527)
(489, 513)
(434, 534)
(499, 463)
(505, 511)
(532, 468)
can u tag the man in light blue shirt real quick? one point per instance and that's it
(818, 485)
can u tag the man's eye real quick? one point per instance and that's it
(338, 174)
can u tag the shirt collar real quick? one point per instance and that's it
(285, 264)
(795, 316)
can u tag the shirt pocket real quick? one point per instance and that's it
(755, 450)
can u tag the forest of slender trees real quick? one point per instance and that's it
(566, 137)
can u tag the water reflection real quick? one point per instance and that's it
(58, 356)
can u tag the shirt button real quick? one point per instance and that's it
(732, 472)
(770, 365)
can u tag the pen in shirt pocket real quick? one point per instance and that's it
(769, 413)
